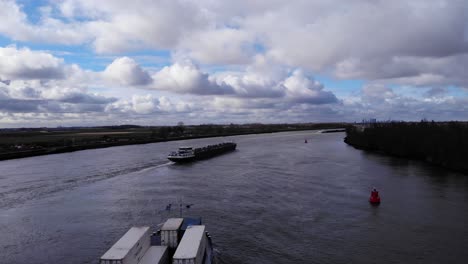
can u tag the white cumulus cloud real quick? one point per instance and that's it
(26, 64)
(125, 71)
(186, 77)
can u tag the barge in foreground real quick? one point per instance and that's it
(187, 154)
(178, 241)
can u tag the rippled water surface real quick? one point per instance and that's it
(273, 200)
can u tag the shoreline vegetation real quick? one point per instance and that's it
(440, 143)
(18, 143)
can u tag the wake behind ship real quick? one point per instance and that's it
(187, 154)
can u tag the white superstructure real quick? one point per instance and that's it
(182, 153)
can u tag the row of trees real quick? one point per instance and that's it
(442, 143)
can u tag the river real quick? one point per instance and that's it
(274, 200)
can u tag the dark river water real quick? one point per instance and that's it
(274, 200)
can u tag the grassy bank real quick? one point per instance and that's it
(440, 143)
(28, 142)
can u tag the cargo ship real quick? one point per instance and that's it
(188, 154)
(178, 241)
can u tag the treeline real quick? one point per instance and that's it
(441, 143)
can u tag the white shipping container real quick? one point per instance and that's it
(192, 246)
(156, 255)
(130, 248)
(170, 232)
(184, 261)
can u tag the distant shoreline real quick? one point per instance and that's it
(98, 145)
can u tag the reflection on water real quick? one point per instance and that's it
(274, 200)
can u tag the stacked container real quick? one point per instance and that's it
(130, 248)
(192, 247)
(170, 232)
(156, 255)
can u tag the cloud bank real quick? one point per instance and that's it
(233, 61)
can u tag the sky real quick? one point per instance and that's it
(160, 62)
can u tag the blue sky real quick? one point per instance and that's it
(82, 62)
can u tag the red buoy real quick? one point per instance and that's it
(374, 197)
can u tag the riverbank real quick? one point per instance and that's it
(440, 143)
(23, 143)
